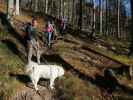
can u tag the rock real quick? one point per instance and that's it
(113, 48)
(101, 47)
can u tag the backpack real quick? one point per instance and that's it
(28, 31)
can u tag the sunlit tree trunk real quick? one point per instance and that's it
(10, 7)
(46, 6)
(17, 7)
(36, 6)
(11, 4)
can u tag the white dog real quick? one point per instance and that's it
(36, 71)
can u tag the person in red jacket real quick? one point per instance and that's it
(50, 30)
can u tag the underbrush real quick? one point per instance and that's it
(121, 58)
(73, 88)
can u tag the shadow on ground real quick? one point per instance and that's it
(20, 77)
(111, 84)
(8, 27)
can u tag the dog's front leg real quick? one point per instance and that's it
(35, 81)
(52, 83)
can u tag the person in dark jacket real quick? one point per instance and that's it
(63, 25)
(32, 38)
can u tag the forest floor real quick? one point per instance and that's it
(72, 52)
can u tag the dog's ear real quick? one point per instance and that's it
(30, 69)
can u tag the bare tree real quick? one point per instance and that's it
(36, 5)
(80, 15)
(17, 12)
(7, 9)
(46, 6)
(118, 2)
(131, 46)
(94, 16)
(101, 16)
(106, 25)
(10, 8)
(108, 16)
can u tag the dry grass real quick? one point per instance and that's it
(73, 88)
(8, 63)
(3, 8)
(121, 58)
(27, 18)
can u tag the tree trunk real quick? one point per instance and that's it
(17, 7)
(118, 19)
(94, 16)
(11, 5)
(36, 6)
(80, 15)
(106, 25)
(46, 7)
(101, 26)
(10, 8)
(131, 72)
(7, 9)
(131, 46)
(73, 1)
(61, 8)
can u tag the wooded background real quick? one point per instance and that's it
(104, 17)
(107, 17)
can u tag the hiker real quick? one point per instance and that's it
(50, 30)
(32, 38)
(63, 25)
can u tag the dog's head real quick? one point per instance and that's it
(60, 71)
(30, 66)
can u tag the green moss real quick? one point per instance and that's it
(3, 34)
(8, 86)
(121, 58)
